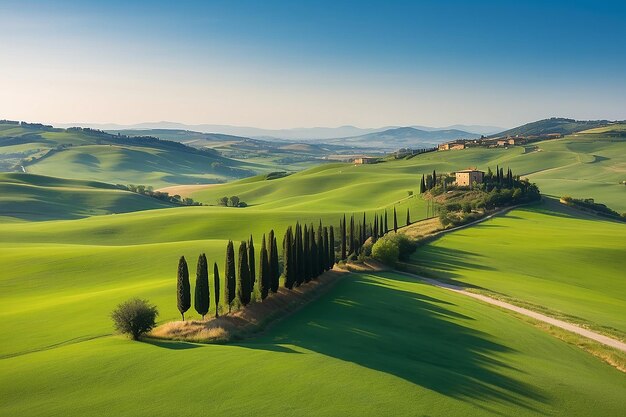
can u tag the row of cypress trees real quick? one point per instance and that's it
(202, 299)
(307, 253)
(355, 233)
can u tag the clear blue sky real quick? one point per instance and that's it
(312, 63)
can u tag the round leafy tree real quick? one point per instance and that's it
(134, 317)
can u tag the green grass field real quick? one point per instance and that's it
(549, 255)
(35, 197)
(374, 345)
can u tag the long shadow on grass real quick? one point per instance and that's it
(443, 263)
(372, 322)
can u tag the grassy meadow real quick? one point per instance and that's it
(375, 344)
(547, 255)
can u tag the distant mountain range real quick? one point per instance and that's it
(295, 134)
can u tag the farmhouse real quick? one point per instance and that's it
(468, 177)
(365, 160)
(451, 146)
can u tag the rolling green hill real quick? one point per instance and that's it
(585, 165)
(553, 125)
(35, 197)
(94, 155)
(548, 255)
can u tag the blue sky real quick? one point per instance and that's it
(324, 63)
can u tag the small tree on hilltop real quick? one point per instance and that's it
(134, 317)
(234, 201)
(201, 299)
(183, 290)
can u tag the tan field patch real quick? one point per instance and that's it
(185, 190)
(252, 319)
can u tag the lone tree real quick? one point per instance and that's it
(395, 220)
(229, 288)
(201, 299)
(183, 290)
(264, 271)
(134, 317)
(216, 286)
(243, 275)
(251, 262)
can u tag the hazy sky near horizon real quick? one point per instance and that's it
(286, 64)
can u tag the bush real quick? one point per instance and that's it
(386, 250)
(134, 317)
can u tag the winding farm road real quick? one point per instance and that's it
(605, 340)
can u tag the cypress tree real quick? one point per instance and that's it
(319, 243)
(252, 263)
(183, 290)
(264, 266)
(364, 230)
(288, 259)
(201, 296)
(343, 238)
(395, 220)
(270, 256)
(434, 179)
(375, 229)
(423, 185)
(299, 252)
(381, 232)
(386, 228)
(243, 275)
(313, 255)
(408, 217)
(274, 267)
(216, 287)
(331, 248)
(351, 237)
(306, 254)
(229, 270)
(326, 250)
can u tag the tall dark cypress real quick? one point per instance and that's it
(229, 271)
(252, 263)
(375, 229)
(434, 179)
(183, 290)
(201, 297)
(331, 248)
(274, 267)
(423, 185)
(243, 275)
(326, 251)
(386, 229)
(216, 287)
(343, 238)
(395, 220)
(313, 254)
(319, 242)
(264, 266)
(306, 255)
(408, 217)
(299, 256)
(364, 230)
(270, 256)
(288, 259)
(381, 232)
(352, 234)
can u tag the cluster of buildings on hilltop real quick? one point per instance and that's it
(495, 142)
